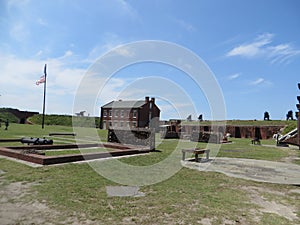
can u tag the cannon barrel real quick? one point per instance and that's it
(36, 141)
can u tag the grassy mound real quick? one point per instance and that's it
(4, 115)
(65, 120)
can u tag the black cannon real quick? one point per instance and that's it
(36, 141)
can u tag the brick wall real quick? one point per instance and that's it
(138, 136)
(263, 132)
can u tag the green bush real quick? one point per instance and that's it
(7, 116)
(65, 120)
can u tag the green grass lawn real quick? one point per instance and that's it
(242, 148)
(26, 130)
(239, 148)
(185, 198)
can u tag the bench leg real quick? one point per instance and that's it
(207, 154)
(183, 156)
(196, 157)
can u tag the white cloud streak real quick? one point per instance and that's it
(127, 8)
(234, 76)
(257, 81)
(261, 82)
(262, 47)
(185, 25)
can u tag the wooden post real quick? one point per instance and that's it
(298, 107)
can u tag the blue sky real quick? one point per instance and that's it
(252, 47)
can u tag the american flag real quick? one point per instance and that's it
(41, 80)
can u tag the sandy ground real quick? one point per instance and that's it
(15, 210)
(250, 169)
(17, 207)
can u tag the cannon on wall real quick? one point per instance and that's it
(36, 141)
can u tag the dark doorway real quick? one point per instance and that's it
(237, 132)
(257, 133)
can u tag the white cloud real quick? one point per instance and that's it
(187, 26)
(42, 22)
(17, 19)
(282, 53)
(96, 90)
(254, 48)
(124, 51)
(109, 42)
(176, 109)
(234, 76)
(257, 81)
(19, 73)
(18, 88)
(127, 8)
(67, 54)
(19, 32)
(39, 53)
(11, 4)
(261, 82)
(262, 47)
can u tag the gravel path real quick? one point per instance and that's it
(251, 169)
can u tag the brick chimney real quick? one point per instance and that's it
(153, 100)
(147, 99)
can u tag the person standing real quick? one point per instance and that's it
(6, 124)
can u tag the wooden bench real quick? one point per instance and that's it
(62, 134)
(196, 152)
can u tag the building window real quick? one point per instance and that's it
(109, 113)
(133, 124)
(126, 113)
(110, 124)
(122, 113)
(121, 124)
(104, 113)
(116, 113)
(134, 114)
(115, 124)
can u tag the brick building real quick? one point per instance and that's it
(130, 114)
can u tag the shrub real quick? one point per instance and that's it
(65, 120)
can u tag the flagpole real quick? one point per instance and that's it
(45, 73)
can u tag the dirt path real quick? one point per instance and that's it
(250, 169)
(18, 207)
(262, 171)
